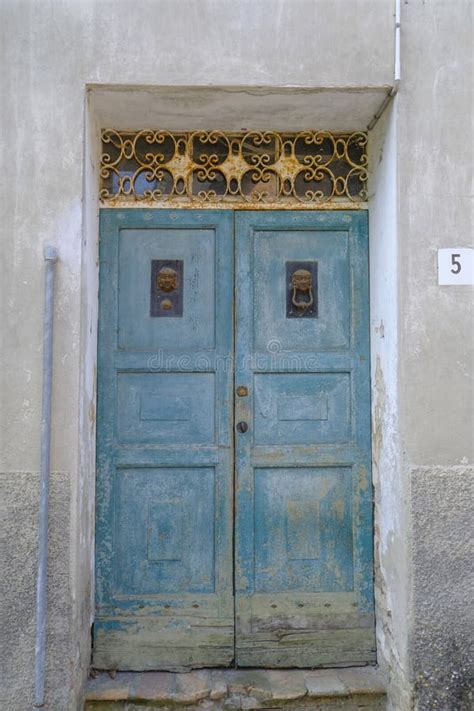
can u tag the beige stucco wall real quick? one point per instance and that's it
(56, 54)
(437, 345)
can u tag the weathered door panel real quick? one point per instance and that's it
(164, 456)
(304, 594)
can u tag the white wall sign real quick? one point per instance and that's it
(456, 266)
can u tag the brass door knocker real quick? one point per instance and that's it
(167, 279)
(302, 281)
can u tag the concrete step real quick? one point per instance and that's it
(353, 689)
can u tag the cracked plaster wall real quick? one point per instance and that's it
(390, 519)
(435, 159)
(50, 52)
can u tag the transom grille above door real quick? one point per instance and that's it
(242, 170)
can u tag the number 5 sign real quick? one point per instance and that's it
(455, 266)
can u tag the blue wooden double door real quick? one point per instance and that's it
(234, 514)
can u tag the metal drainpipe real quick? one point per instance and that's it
(396, 79)
(50, 256)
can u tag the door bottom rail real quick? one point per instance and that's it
(341, 688)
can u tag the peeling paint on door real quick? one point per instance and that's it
(303, 524)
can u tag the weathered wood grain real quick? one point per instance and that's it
(304, 575)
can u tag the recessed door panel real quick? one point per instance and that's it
(191, 254)
(164, 531)
(279, 325)
(302, 408)
(303, 540)
(166, 408)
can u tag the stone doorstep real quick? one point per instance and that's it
(241, 689)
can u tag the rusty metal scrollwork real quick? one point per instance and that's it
(247, 169)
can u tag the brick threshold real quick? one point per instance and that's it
(343, 688)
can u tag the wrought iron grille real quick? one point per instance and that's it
(244, 170)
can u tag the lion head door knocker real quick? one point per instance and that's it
(302, 285)
(166, 288)
(167, 281)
